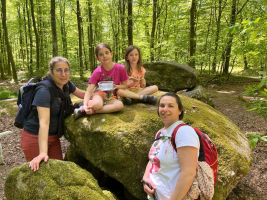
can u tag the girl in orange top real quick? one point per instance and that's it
(136, 72)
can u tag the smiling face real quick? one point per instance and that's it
(60, 73)
(104, 55)
(168, 110)
(133, 57)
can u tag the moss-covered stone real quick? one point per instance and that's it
(54, 180)
(171, 76)
(118, 143)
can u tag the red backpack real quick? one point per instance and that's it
(207, 151)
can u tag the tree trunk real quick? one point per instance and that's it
(9, 49)
(79, 20)
(1, 57)
(154, 22)
(54, 27)
(63, 28)
(230, 40)
(192, 44)
(21, 42)
(130, 22)
(30, 37)
(122, 18)
(26, 37)
(218, 25)
(90, 38)
(36, 36)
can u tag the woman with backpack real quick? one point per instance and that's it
(169, 175)
(50, 106)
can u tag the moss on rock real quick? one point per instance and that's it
(54, 180)
(118, 143)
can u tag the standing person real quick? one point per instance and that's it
(136, 73)
(40, 135)
(169, 173)
(97, 101)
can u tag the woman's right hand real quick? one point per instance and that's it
(34, 164)
(147, 189)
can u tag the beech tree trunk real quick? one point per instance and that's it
(130, 22)
(36, 36)
(192, 44)
(9, 49)
(79, 20)
(54, 27)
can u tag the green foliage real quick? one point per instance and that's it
(5, 93)
(259, 92)
(254, 138)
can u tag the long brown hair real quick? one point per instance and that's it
(127, 64)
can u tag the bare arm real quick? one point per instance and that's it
(123, 85)
(79, 93)
(88, 94)
(187, 157)
(44, 120)
(143, 82)
(146, 178)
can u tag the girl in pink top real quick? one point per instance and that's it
(97, 101)
(136, 73)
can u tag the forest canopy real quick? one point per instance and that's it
(212, 35)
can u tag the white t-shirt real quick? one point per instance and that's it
(165, 168)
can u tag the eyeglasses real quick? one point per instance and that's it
(59, 71)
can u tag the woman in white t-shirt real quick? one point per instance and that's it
(169, 173)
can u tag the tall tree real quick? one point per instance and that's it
(192, 45)
(90, 37)
(122, 18)
(36, 36)
(9, 49)
(233, 16)
(30, 38)
(54, 27)
(62, 8)
(130, 22)
(152, 35)
(217, 33)
(79, 20)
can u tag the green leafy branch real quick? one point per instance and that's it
(254, 138)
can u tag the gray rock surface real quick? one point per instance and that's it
(171, 76)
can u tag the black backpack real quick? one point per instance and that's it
(25, 97)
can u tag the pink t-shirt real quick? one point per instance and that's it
(117, 74)
(136, 74)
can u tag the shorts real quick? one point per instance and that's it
(30, 146)
(106, 96)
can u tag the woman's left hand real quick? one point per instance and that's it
(34, 164)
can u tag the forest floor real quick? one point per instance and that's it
(226, 98)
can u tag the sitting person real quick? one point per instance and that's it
(169, 173)
(40, 135)
(136, 73)
(98, 101)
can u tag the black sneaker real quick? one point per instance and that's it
(78, 113)
(127, 100)
(150, 99)
(76, 105)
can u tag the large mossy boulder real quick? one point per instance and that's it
(171, 76)
(54, 180)
(118, 143)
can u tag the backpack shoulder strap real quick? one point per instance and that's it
(174, 135)
(47, 84)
